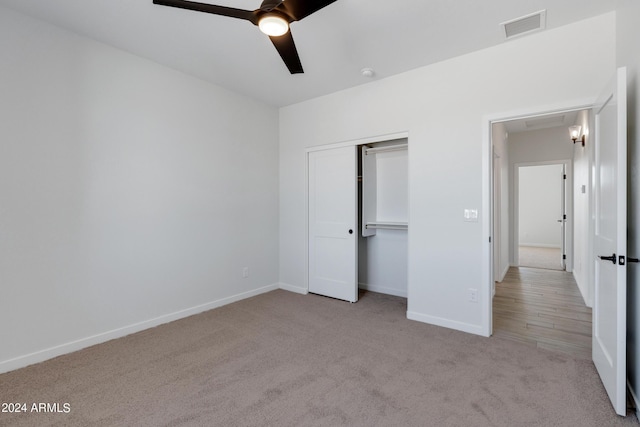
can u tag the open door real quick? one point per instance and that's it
(333, 223)
(563, 217)
(610, 240)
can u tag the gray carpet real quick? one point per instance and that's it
(282, 359)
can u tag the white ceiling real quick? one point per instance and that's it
(547, 121)
(334, 44)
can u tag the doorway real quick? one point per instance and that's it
(535, 298)
(541, 215)
(358, 218)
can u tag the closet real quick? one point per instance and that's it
(358, 219)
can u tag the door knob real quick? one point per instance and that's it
(611, 258)
(632, 259)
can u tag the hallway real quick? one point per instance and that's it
(542, 308)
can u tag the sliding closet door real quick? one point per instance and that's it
(333, 221)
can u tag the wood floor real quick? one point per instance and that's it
(542, 308)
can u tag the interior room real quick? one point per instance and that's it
(201, 223)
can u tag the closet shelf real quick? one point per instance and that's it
(386, 148)
(387, 225)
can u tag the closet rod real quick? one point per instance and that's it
(388, 225)
(396, 147)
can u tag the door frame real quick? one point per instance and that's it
(488, 196)
(568, 197)
(350, 143)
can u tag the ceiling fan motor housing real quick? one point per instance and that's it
(280, 14)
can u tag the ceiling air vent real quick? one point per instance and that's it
(525, 24)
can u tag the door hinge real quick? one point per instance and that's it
(564, 176)
(564, 256)
(564, 216)
(489, 239)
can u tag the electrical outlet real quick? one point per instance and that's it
(245, 272)
(473, 295)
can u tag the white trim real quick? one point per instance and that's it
(634, 397)
(587, 302)
(49, 353)
(447, 323)
(361, 141)
(487, 288)
(501, 277)
(306, 222)
(583, 104)
(293, 288)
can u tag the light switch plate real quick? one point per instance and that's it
(471, 215)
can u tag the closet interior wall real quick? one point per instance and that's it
(383, 217)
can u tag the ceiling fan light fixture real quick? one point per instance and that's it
(273, 25)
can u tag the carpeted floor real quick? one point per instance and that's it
(283, 359)
(536, 257)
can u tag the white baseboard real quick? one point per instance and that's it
(636, 403)
(292, 288)
(502, 274)
(582, 290)
(446, 323)
(383, 290)
(59, 350)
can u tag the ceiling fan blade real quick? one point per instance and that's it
(287, 49)
(298, 9)
(248, 15)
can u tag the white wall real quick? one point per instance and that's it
(536, 146)
(540, 205)
(382, 262)
(540, 145)
(443, 108)
(130, 194)
(582, 266)
(628, 34)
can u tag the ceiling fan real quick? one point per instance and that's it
(272, 17)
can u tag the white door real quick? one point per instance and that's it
(610, 244)
(333, 223)
(563, 217)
